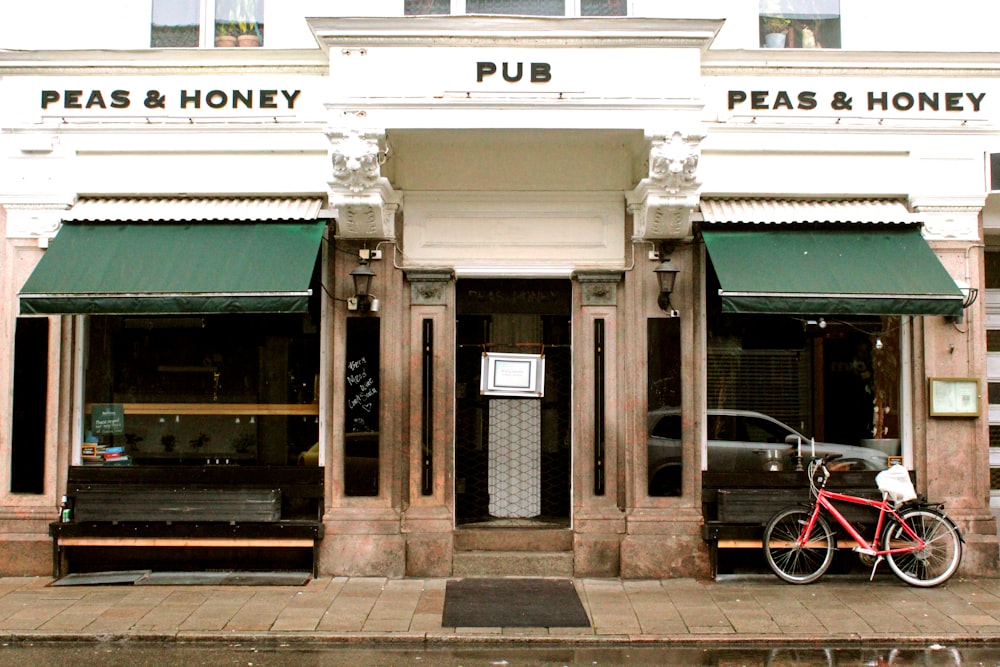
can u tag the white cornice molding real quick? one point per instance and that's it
(472, 30)
(834, 62)
(164, 62)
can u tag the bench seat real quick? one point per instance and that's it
(201, 508)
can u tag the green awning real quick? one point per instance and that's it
(169, 268)
(868, 271)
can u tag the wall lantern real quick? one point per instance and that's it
(666, 275)
(362, 275)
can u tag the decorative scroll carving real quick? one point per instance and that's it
(34, 221)
(429, 288)
(365, 202)
(356, 159)
(662, 203)
(673, 162)
(949, 220)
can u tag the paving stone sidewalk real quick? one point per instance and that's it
(346, 609)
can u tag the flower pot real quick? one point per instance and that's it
(225, 41)
(248, 40)
(775, 40)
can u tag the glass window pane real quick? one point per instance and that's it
(522, 7)
(175, 23)
(361, 407)
(993, 340)
(602, 7)
(240, 20)
(993, 267)
(237, 389)
(663, 364)
(800, 24)
(419, 7)
(30, 398)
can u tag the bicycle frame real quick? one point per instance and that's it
(824, 501)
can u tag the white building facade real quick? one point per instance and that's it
(391, 278)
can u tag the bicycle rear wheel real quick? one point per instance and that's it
(798, 563)
(937, 561)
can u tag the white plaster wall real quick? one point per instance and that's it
(502, 160)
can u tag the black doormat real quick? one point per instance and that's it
(513, 603)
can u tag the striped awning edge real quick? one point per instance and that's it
(793, 211)
(185, 209)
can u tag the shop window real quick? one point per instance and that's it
(361, 407)
(31, 366)
(194, 23)
(800, 24)
(776, 383)
(518, 7)
(663, 398)
(994, 172)
(212, 389)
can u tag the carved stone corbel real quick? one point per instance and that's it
(662, 203)
(599, 288)
(365, 201)
(428, 287)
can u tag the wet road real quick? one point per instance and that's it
(135, 654)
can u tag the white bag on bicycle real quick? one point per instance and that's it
(895, 483)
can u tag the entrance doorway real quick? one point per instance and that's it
(512, 455)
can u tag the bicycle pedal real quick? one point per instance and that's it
(862, 550)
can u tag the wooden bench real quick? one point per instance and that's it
(737, 506)
(181, 507)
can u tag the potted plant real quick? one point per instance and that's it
(248, 31)
(885, 388)
(775, 29)
(225, 36)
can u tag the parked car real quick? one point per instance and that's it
(741, 441)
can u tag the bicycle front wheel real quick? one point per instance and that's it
(937, 561)
(795, 562)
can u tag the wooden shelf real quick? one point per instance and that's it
(253, 409)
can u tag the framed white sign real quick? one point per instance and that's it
(515, 375)
(954, 397)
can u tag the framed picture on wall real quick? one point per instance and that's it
(954, 397)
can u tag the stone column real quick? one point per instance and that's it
(951, 455)
(428, 519)
(663, 534)
(363, 535)
(598, 521)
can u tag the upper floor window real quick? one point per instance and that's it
(518, 7)
(800, 24)
(183, 23)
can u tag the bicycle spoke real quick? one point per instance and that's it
(795, 562)
(937, 560)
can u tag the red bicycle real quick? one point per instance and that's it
(921, 544)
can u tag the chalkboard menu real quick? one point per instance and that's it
(361, 387)
(107, 418)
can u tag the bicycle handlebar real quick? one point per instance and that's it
(816, 482)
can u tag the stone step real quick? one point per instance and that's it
(513, 539)
(512, 564)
